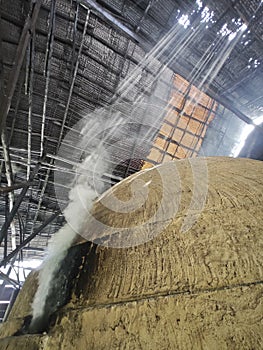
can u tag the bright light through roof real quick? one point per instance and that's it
(225, 31)
(31, 264)
(200, 4)
(207, 15)
(258, 120)
(21, 269)
(232, 36)
(184, 21)
(243, 27)
(244, 135)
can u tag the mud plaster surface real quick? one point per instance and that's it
(201, 289)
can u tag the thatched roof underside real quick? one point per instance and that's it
(72, 61)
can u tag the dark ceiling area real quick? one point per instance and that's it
(63, 60)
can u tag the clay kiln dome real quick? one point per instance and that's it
(200, 288)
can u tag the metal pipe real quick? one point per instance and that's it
(11, 303)
(6, 215)
(1, 57)
(6, 97)
(41, 198)
(73, 78)
(230, 105)
(74, 37)
(30, 102)
(151, 2)
(9, 177)
(17, 203)
(10, 280)
(29, 238)
(15, 110)
(110, 18)
(8, 189)
(47, 66)
(21, 234)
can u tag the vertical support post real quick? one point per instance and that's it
(6, 97)
(17, 203)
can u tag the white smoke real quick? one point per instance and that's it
(81, 197)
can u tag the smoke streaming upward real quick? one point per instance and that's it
(81, 197)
